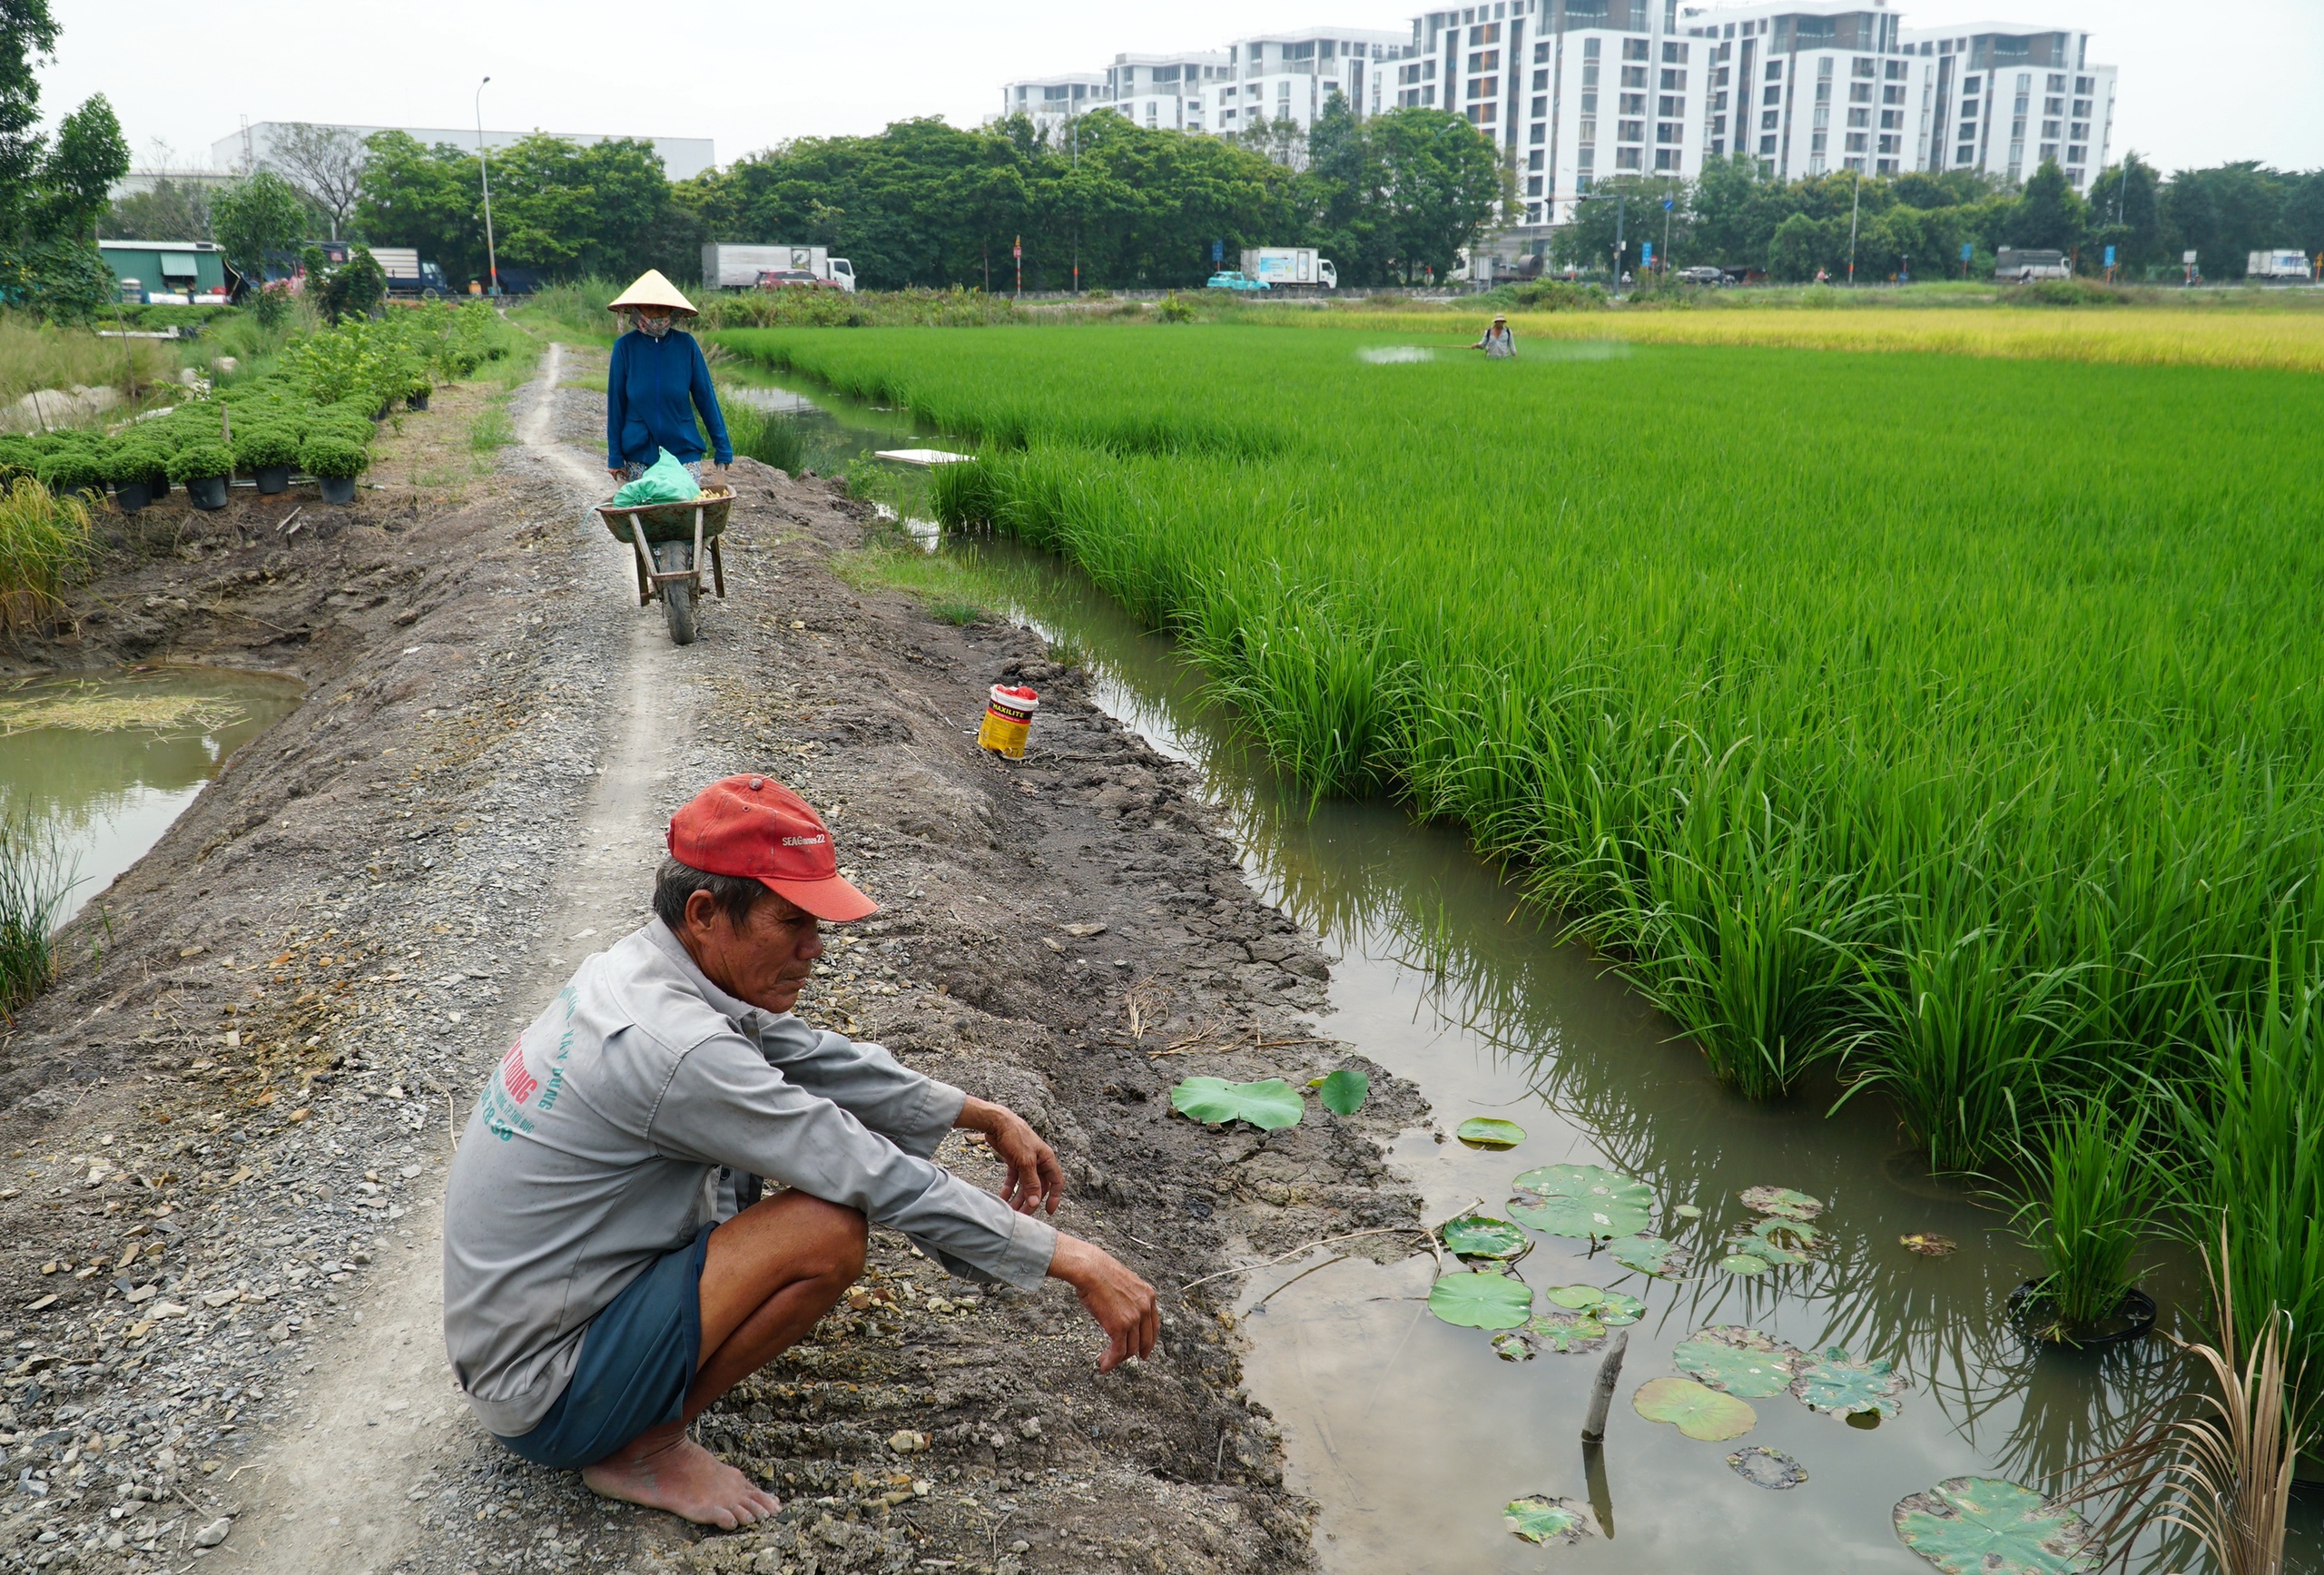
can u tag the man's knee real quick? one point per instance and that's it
(839, 1237)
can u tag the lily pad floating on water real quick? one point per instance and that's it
(1511, 1346)
(1782, 1201)
(1538, 1518)
(1778, 1242)
(1985, 1526)
(1343, 1091)
(1767, 1468)
(1478, 1236)
(1581, 1200)
(1699, 1412)
(1650, 1255)
(1490, 1134)
(1745, 1264)
(1928, 1244)
(1611, 1308)
(1686, 1211)
(1567, 1333)
(1480, 1300)
(1268, 1106)
(1742, 1362)
(1838, 1386)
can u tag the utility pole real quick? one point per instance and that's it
(1666, 237)
(1076, 124)
(1018, 249)
(1854, 210)
(1621, 212)
(483, 173)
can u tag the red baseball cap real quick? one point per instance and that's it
(756, 828)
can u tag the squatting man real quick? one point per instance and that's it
(608, 1271)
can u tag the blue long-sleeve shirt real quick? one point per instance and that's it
(651, 391)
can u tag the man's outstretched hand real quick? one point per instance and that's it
(1035, 1179)
(1122, 1304)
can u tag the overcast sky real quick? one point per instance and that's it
(2200, 84)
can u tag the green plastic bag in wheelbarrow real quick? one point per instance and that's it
(664, 481)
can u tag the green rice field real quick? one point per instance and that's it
(1946, 724)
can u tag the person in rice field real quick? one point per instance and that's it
(1497, 344)
(657, 381)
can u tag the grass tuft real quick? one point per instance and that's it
(44, 543)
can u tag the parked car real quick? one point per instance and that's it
(1705, 275)
(1235, 278)
(788, 278)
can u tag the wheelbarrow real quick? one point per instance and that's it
(669, 540)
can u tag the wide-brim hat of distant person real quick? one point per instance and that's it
(1500, 318)
(651, 289)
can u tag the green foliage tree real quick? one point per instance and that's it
(1631, 207)
(1342, 196)
(353, 289)
(256, 219)
(2051, 214)
(78, 175)
(27, 37)
(2224, 214)
(50, 197)
(2126, 213)
(1798, 249)
(1443, 181)
(427, 198)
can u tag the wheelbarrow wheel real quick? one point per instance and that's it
(678, 595)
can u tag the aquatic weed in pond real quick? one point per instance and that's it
(34, 879)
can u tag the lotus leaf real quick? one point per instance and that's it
(1767, 1468)
(1611, 1308)
(1477, 1236)
(1481, 1301)
(1650, 1255)
(1539, 1519)
(1581, 1200)
(1686, 1211)
(1838, 1386)
(1343, 1091)
(1512, 1346)
(1485, 1132)
(1797, 1234)
(1696, 1412)
(1213, 1100)
(1766, 1240)
(1984, 1526)
(1567, 1333)
(1744, 1264)
(1929, 1244)
(1782, 1201)
(1742, 1362)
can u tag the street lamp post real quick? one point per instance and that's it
(484, 172)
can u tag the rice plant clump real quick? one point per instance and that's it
(2093, 1190)
(768, 436)
(34, 878)
(44, 544)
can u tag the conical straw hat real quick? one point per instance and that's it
(652, 289)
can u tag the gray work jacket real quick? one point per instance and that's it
(598, 1144)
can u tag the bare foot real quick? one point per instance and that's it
(665, 1470)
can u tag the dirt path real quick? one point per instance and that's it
(232, 1113)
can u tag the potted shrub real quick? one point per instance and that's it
(131, 470)
(78, 468)
(17, 458)
(203, 469)
(265, 454)
(334, 463)
(416, 396)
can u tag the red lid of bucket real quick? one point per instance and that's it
(1020, 698)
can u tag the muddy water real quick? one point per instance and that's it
(106, 763)
(836, 429)
(1411, 1434)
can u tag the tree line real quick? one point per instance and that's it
(1737, 217)
(52, 191)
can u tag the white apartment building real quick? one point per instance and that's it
(1167, 91)
(2005, 98)
(1050, 102)
(1293, 75)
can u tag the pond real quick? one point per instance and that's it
(106, 762)
(1412, 1434)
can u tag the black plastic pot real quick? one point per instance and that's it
(337, 488)
(206, 491)
(129, 497)
(2133, 1315)
(416, 401)
(273, 479)
(157, 486)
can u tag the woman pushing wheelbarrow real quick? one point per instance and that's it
(657, 382)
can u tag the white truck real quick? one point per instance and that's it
(2281, 266)
(746, 267)
(1281, 266)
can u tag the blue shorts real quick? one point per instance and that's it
(637, 1359)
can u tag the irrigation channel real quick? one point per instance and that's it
(1411, 1433)
(106, 761)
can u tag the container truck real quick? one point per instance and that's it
(407, 273)
(1281, 266)
(739, 267)
(2283, 266)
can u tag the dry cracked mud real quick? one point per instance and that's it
(225, 1127)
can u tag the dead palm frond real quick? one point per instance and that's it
(2223, 1473)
